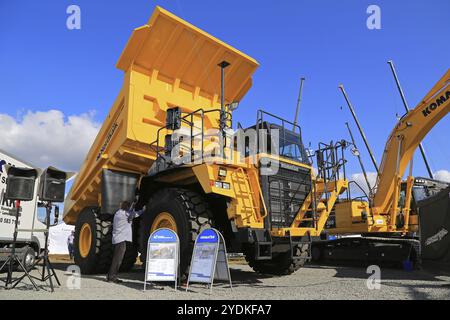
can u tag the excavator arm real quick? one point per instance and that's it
(405, 138)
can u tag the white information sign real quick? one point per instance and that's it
(209, 259)
(203, 262)
(162, 257)
(162, 262)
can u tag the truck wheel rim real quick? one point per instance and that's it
(164, 220)
(85, 240)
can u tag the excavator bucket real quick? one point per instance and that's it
(434, 215)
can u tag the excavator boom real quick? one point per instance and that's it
(406, 137)
(388, 226)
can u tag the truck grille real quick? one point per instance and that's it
(287, 191)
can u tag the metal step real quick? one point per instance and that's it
(307, 239)
(263, 251)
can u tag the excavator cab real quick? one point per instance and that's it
(424, 188)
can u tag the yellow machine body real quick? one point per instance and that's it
(171, 67)
(350, 214)
(389, 200)
(167, 62)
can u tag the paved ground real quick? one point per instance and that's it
(310, 282)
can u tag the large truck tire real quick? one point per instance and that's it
(93, 243)
(281, 264)
(184, 211)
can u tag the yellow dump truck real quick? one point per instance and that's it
(168, 141)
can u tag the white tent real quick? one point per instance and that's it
(58, 238)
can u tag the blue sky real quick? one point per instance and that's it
(45, 66)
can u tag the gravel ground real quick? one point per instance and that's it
(310, 282)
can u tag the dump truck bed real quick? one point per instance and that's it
(167, 62)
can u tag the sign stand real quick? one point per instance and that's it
(209, 259)
(13, 258)
(163, 256)
(46, 264)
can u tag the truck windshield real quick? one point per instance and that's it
(290, 144)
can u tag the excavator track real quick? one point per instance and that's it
(394, 252)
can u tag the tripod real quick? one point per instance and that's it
(46, 264)
(13, 258)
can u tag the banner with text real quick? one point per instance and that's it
(162, 256)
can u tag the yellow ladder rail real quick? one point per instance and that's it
(261, 198)
(242, 180)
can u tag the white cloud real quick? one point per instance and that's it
(359, 179)
(442, 175)
(49, 137)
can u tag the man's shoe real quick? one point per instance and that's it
(117, 281)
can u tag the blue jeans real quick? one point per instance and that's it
(71, 250)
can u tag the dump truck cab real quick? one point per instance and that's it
(254, 181)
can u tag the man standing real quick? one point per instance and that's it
(122, 233)
(70, 240)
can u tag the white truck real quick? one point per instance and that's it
(29, 244)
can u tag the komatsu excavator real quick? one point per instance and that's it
(397, 222)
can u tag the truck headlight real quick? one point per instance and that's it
(222, 172)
